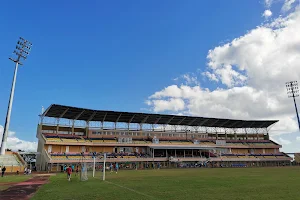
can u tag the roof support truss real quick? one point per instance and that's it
(118, 118)
(156, 121)
(103, 120)
(62, 115)
(181, 121)
(92, 116)
(77, 117)
(192, 122)
(131, 119)
(170, 120)
(145, 119)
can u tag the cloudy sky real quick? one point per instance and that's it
(250, 71)
(237, 70)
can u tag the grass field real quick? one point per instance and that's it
(6, 180)
(226, 183)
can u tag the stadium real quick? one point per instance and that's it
(219, 124)
(69, 136)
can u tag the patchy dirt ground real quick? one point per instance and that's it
(23, 190)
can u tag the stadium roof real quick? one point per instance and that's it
(73, 113)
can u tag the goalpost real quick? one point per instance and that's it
(83, 171)
(104, 167)
(85, 167)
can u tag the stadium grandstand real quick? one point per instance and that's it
(69, 136)
(12, 161)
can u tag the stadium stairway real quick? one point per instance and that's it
(12, 162)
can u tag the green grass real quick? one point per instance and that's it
(14, 178)
(173, 184)
(8, 180)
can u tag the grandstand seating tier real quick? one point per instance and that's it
(9, 160)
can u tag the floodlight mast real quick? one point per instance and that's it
(293, 91)
(22, 51)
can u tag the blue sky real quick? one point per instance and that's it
(110, 55)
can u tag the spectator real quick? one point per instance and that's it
(3, 170)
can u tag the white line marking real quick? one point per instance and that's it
(132, 190)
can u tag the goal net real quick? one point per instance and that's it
(94, 169)
(83, 174)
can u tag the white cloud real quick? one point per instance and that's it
(172, 104)
(188, 79)
(15, 143)
(288, 4)
(284, 142)
(267, 14)
(251, 71)
(268, 3)
(298, 138)
(210, 76)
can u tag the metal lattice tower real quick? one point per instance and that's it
(22, 51)
(293, 91)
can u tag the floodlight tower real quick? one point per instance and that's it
(293, 91)
(22, 51)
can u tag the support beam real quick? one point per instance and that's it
(131, 119)
(175, 128)
(128, 126)
(157, 120)
(103, 120)
(189, 124)
(256, 130)
(73, 127)
(181, 121)
(87, 129)
(118, 118)
(233, 124)
(46, 111)
(170, 120)
(203, 122)
(164, 127)
(214, 122)
(235, 135)
(62, 115)
(92, 116)
(223, 124)
(268, 137)
(77, 117)
(57, 126)
(145, 119)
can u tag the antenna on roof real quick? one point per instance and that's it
(43, 110)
